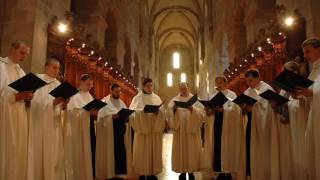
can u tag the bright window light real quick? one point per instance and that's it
(169, 79)
(183, 77)
(176, 60)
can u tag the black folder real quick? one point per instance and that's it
(94, 104)
(244, 99)
(217, 101)
(288, 80)
(64, 90)
(270, 95)
(187, 104)
(123, 113)
(152, 108)
(29, 82)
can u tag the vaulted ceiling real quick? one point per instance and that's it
(176, 22)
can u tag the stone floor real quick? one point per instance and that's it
(167, 173)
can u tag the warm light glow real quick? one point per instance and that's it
(169, 79)
(99, 59)
(259, 48)
(83, 45)
(62, 27)
(252, 54)
(105, 64)
(198, 81)
(183, 78)
(269, 40)
(207, 81)
(289, 21)
(92, 53)
(200, 62)
(245, 60)
(176, 60)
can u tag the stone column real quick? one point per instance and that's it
(27, 20)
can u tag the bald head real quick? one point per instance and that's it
(18, 51)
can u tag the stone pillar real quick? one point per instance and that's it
(27, 20)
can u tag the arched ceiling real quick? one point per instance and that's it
(176, 22)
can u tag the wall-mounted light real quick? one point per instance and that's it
(62, 27)
(289, 21)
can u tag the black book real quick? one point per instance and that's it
(217, 101)
(244, 99)
(288, 80)
(270, 95)
(124, 113)
(29, 82)
(94, 104)
(152, 108)
(187, 104)
(64, 90)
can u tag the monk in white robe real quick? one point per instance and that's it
(186, 144)
(262, 133)
(223, 134)
(148, 132)
(45, 149)
(113, 150)
(13, 116)
(311, 50)
(292, 125)
(78, 125)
